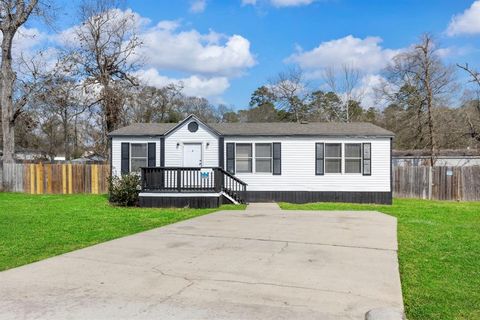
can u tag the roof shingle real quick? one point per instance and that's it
(265, 129)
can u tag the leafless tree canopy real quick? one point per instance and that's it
(420, 82)
(345, 86)
(472, 112)
(92, 89)
(290, 89)
(104, 50)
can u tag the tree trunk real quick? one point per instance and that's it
(428, 87)
(65, 135)
(7, 79)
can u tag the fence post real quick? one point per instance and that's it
(430, 182)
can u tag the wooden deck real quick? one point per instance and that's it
(192, 187)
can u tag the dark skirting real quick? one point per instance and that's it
(180, 202)
(319, 196)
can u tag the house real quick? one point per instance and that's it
(26, 153)
(204, 164)
(90, 157)
(444, 157)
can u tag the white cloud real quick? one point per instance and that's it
(27, 40)
(366, 55)
(280, 3)
(193, 85)
(169, 25)
(191, 51)
(134, 21)
(366, 90)
(198, 6)
(206, 61)
(467, 22)
(290, 3)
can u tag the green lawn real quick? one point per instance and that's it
(34, 227)
(439, 254)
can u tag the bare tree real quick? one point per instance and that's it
(290, 91)
(473, 127)
(345, 85)
(62, 97)
(104, 49)
(150, 104)
(13, 14)
(419, 79)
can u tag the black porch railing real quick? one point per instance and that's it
(200, 180)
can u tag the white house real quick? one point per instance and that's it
(204, 164)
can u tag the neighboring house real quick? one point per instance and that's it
(449, 158)
(27, 154)
(90, 157)
(199, 164)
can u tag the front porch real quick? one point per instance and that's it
(192, 187)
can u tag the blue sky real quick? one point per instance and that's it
(225, 49)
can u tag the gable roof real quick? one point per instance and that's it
(192, 116)
(263, 129)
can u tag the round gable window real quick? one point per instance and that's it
(193, 126)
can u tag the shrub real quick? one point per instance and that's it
(124, 190)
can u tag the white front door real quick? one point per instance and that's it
(192, 155)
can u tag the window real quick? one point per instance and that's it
(333, 158)
(139, 156)
(193, 126)
(353, 158)
(244, 157)
(263, 157)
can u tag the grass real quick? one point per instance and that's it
(35, 227)
(439, 255)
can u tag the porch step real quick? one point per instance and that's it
(233, 200)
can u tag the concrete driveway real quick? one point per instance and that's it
(260, 264)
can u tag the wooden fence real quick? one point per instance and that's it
(60, 178)
(439, 183)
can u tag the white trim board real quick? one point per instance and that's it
(179, 194)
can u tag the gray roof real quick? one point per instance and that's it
(143, 129)
(265, 129)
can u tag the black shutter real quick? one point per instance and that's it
(319, 159)
(125, 154)
(151, 154)
(162, 152)
(367, 159)
(221, 152)
(277, 158)
(231, 157)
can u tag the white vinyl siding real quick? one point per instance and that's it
(176, 139)
(298, 166)
(117, 150)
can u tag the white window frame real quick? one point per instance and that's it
(132, 157)
(264, 158)
(353, 158)
(251, 158)
(336, 158)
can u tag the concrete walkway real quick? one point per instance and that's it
(262, 263)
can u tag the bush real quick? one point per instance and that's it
(124, 190)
